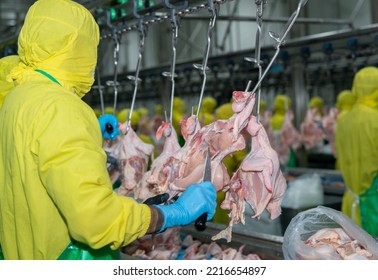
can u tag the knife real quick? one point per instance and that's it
(200, 223)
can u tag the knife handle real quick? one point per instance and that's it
(200, 223)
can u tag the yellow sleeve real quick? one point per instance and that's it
(72, 167)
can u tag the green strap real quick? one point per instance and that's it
(48, 76)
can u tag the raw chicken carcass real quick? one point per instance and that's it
(222, 138)
(258, 181)
(218, 138)
(335, 243)
(311, 131)
(329, 127)
(162, 246)
(290, 136)
(133, 155)
(162, 171)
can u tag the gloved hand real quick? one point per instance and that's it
(192, 203)
(109, 126)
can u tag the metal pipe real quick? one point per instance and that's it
(356, 10)
(275, 20)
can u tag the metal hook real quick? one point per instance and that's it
(280, 39)
(142, 28)
(172, 74)
(116, 38)
(259, 13)
(100, 90)
(175, 22)
(136, 79)
(214, 10)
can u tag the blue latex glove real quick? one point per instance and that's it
(109, 126)
(192, 203)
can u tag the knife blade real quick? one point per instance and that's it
(200, 223)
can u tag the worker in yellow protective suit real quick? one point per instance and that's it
(281, 105)
(56, 197)
(318, 103)
(6, 65)
(357, 150)
(344, 102)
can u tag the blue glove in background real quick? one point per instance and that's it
(109, 126)
(192, 203)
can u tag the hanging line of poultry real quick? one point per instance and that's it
(178, 167)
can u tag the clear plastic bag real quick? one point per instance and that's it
(308, 222)
(304, 192)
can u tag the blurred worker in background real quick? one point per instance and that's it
(317, 103)
(357, 151)
(281, 106)
(206, 115)
(344, 102)
(56, 198)
(179, 113)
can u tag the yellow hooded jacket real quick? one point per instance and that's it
(54, 184)
(6, 65)
(357, 141)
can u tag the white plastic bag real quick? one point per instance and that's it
(308, 222)
(304, 192)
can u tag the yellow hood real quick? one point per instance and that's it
(365, 87)
(282, 103)
(345, 100)
(365, 82)
(6, 65)
(38, 48)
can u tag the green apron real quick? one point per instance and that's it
(368, 202)
(79, 251)
(292, 159)
(76, 250)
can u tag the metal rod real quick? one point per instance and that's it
(115, 83)
(116, 38)
(356, 10)
(159, 17)
(259, 13)
(204, 67)
(228, 28)
(280, 41)
(142, 36)
(172, 75)
(100, 90)
(275, 20)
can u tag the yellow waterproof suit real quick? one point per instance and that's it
(54, 185)
(357, 151)
(6, 65)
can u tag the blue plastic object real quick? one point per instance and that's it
(109, 126)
